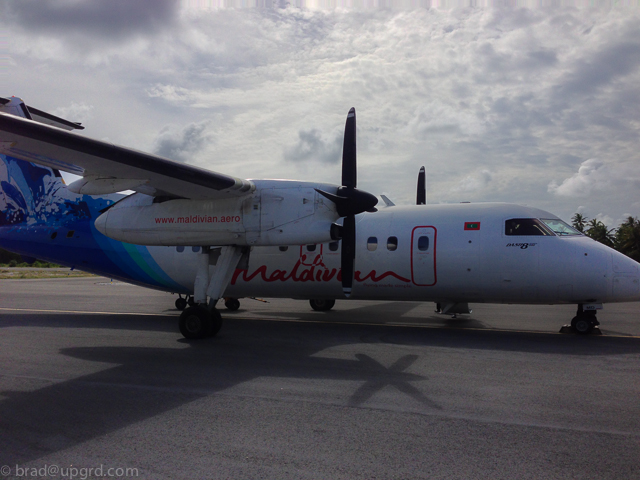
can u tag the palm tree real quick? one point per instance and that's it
(579, 222)
(599, 232)
(627, 238)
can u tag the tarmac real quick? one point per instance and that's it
(94, 374)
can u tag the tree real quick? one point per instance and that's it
(599, 232)
(579, 222)
(627, 239)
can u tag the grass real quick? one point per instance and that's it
(49, 270)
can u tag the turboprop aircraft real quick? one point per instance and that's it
(209, 236)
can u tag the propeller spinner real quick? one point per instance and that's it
(349, 202)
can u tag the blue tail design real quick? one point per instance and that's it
(40, 217)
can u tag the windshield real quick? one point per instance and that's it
(560, 228)
(525, 227)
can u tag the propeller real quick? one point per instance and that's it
(349, 202)
(421, 197)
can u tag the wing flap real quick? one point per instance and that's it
(70, 152)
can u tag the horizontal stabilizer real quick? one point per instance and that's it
(16, 106)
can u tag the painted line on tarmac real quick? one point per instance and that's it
(324, 322)
(84, 312)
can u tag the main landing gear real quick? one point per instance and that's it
(585, 321)
(199, 321)
(202, 319)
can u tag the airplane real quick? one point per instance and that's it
(208, 236)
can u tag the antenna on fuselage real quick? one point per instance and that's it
(421, 196)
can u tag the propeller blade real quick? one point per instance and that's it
(349, 175)
(348, 253)
(349, 202)
(421, 197)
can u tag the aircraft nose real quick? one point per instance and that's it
(626, 278)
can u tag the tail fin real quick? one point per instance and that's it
(28, 191)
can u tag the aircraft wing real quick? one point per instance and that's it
(108, 168)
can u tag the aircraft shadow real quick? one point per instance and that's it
(146, 381)
(371, 313)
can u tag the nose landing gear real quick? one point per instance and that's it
(585, 321)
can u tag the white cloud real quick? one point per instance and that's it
(476, 181)
(597, 176)
(75, 112)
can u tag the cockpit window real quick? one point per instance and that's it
(525, 227)
(559, 227)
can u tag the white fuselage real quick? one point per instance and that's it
(442, 253)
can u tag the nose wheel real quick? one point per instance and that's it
(322, 305)
(585, 321)
(584, 324)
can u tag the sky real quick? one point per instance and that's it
(531, 105)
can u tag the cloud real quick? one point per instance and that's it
(182, 144)
(112, 20)
(596, 175)
(528, 95)
(311, 146)
(474, 182)
(75, 112)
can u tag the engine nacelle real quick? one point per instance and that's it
(278, 212)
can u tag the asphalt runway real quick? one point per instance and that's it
(94, 374)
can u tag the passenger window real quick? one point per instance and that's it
(283, 248)
(525, 227)
(180, 249)
(392, 243)
(70, 233)
(423, 244)
(333, 246)
(372, 244)
(311, 248)
(195, 249)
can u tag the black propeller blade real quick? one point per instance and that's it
(349, 202)
(421, 197)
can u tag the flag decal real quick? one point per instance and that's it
(472, 225)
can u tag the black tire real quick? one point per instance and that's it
(196, 322)
(232, 304)
(322, 305)
(583, 324)
(181, 303)
(216, 323)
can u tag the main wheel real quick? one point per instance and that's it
(181, 303)
(232, 304)
(583, 324)
(197, 322)
(322, 305)
(216, 322)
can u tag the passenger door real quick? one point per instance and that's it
(423, 256)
